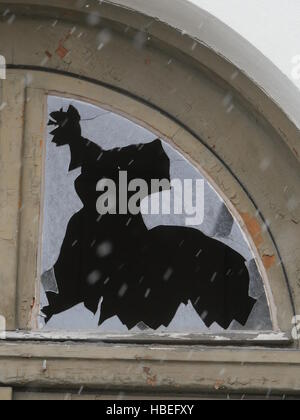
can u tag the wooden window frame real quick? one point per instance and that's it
(30, 216)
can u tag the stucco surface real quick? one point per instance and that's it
(261, 37)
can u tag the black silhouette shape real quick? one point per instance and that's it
(142, 275)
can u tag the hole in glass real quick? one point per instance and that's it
(134, 268)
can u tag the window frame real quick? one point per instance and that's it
(32, 177)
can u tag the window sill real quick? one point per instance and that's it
(148, 368)
(258, 339)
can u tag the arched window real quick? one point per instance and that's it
(177, 262)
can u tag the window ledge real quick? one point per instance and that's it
(148, 368)
(267, 338)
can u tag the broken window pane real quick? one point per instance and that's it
(135, 238)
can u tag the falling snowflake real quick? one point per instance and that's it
(105, 249)
(94, 277)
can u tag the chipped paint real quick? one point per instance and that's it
(275, 337)
(61, 51)
(221, 338)
(269, 261)
(253, 227)
(151, 379)
(219, 385)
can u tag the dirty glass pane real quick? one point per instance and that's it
(171, 259)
